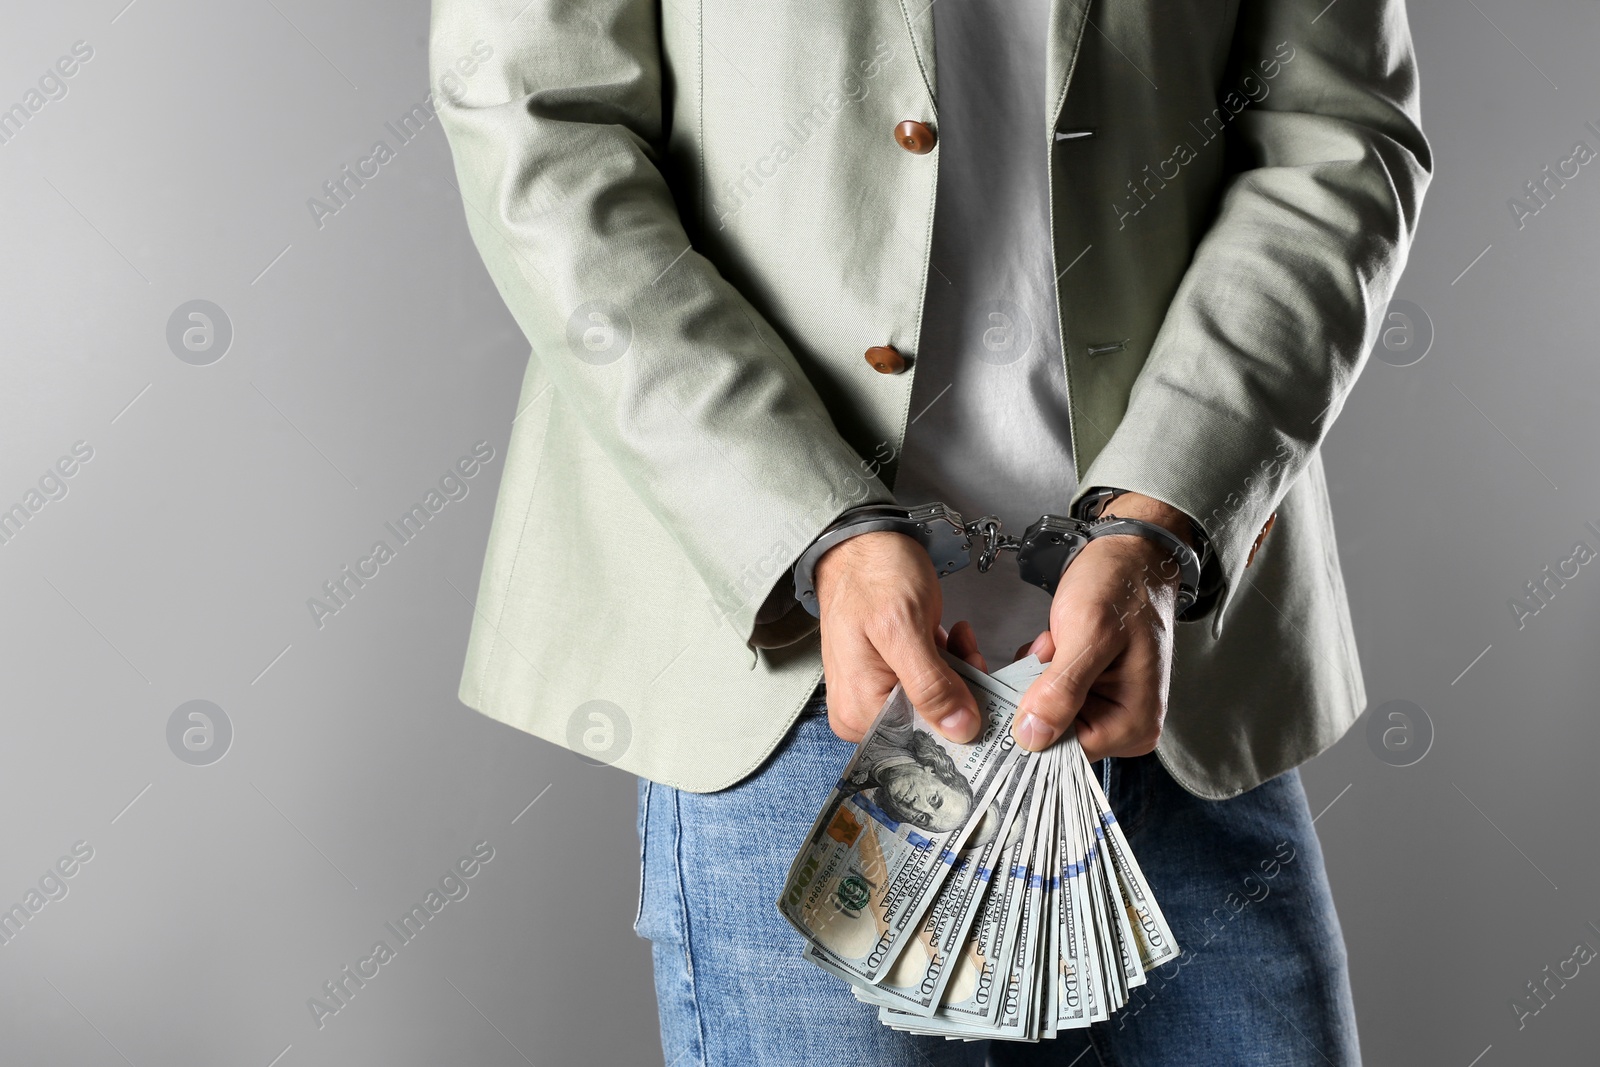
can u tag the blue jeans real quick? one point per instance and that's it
(1261, 980)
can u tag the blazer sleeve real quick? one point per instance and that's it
(556, 121)
(1275, 314)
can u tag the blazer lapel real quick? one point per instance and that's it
(1067, 21)
(919, 20)
(1068, 18)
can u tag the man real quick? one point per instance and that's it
(1089, 249)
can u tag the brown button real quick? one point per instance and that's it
(914, 137)
(886, 360)
(1260, 537)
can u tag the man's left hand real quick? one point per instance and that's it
(1109, 646)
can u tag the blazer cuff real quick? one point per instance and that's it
(1232, 502)
(780, 620)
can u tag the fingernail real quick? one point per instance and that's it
(1032, 733)
(959, 726)
(1037, 646)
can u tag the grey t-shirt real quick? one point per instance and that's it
(989, 430)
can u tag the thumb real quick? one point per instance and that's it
(1055, 697)
(935, 689)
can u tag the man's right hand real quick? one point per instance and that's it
(880, 605)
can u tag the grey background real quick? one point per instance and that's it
(369, 354)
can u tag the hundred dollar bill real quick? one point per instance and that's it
(892, 830)
(1075, 996)
(982, 965)
(1001, 986)
(1018, 674)
(924, 969)
(1104, 969)
(1016, 1004)
(972, 1005)
(1152, 936)
(1044, 1021)
(1047, 924)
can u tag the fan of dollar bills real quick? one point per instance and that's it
(974, 891)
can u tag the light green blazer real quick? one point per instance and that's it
(699, 214)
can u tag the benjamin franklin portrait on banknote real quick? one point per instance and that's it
(910, 776)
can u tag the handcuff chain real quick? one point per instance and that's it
(994, 542)
(1044, 551)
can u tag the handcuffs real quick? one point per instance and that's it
(1044, 551)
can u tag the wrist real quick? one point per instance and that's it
(1172, 555)
(874, 543)
(1148, 509)
(1136, 558)
(937, 531)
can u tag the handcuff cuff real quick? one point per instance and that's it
(1044, 551)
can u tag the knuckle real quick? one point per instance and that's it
(1092, 617)
(932, 688)
(1078, 672)
(1142, 736)
(891, 617)
(846, 720)
(1057, 686)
